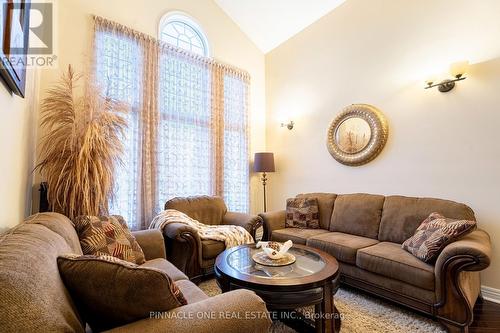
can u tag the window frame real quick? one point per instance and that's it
(180, 16)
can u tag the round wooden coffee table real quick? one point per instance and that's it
(312, 279)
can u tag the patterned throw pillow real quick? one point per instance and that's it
(110, 292)
(302, 213)
(108, 235)
(434, 233)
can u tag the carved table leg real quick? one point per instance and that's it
(223, 283)
(327, 310)
(318, 323)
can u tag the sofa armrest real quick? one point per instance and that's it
(457, 279)
(238, 310)
(183, 233)
(192, 257)
(272, 221)
(247, 221)
(151, 242)
(474, 249)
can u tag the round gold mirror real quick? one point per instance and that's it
(357, 135)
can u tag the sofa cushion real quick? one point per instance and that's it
(203, 208)
(402, 215)
(111, 292)
(389, 286)
(325, 205)
(302, 213)
(33, 297)
(357, 214)
(211, 248)
(191, 292)
(390, 260)
(173, 272)
(342, 246)
(434, 234)
(108, 235)
(296, 235)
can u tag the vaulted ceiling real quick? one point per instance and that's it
(268, 23)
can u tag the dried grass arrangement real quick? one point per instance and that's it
(81, 148)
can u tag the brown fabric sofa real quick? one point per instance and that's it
(365, 232)
(33, 297)
(185, 249)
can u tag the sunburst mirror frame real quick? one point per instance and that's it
(368, 148)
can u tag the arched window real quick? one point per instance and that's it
(178, 29)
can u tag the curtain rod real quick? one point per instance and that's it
(98, 20)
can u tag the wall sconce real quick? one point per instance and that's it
(458, 70)
(288, 125)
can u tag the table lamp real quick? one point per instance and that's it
(264, 162)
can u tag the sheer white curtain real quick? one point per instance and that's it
(236, 144)
(185, 147)
(119, 71)
(188, 131)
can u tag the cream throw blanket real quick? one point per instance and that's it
(231, 235)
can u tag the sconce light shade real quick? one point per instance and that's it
(459, 69)
(263, 162)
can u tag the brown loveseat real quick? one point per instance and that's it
(33, 297)
(185, 249)
(364, 232)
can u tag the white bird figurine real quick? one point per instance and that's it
(275, 250)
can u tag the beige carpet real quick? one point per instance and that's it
(362, 313)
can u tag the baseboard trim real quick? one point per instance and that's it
(491, 294)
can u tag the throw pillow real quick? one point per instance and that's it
(108, 235)
(110, 292)
(302, 213)
(434, 233)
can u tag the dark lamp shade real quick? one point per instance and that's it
(263, 162)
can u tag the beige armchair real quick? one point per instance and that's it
(185, 249)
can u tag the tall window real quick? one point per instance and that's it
(185, 147)
(186, 143)
(188, 125)
(185, 139)
(182, 31)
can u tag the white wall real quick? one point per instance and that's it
(379, 52)
(227, 44)
(17, 148)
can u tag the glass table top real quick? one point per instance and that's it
(306, 263)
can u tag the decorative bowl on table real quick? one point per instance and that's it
(274, 254)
